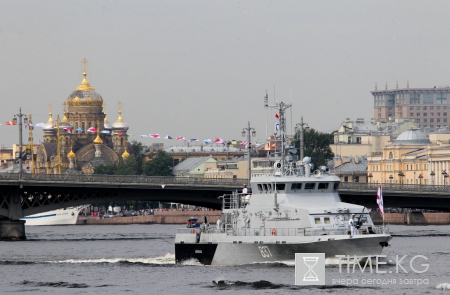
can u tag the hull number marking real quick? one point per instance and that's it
(198, 251)
(265, 252)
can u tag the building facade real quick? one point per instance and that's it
(429, 107)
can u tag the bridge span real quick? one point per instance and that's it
(39, 193)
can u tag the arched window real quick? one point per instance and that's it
(89, 124)
(391, 155)
(83, 126)
(76, 127)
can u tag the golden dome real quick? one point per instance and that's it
(85, 84)
(125, 154)
(65, 118)
(71, 154)
(50, 120)
(98, 140)
(119, 120)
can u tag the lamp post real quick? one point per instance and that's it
(25, 120)
(432, 174)
(444, 173)
(370, 177)
(401, 175)
(300, 128)
(253, 132)
(390, 178)
(420, 179)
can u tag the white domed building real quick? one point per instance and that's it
(86, 138)
(404, 161)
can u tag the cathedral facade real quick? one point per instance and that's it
(83, 138)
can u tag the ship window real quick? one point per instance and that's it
(296, 186)
(260, 187)
(323, 185)
(317, 221)
(336, 186)
(310, 185)
(264, 187)
(326, 220)
(281, 186)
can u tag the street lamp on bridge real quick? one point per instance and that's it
(370, 177)
(401, 175)
(432, 174)
(420, 179)
(391, 177)
(445, 175)
(253, 131)
(25, 120)
(300, 128)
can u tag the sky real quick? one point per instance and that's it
(200, 69)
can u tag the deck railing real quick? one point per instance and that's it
(285, 232)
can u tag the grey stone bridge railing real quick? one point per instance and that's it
(125, 179)
(394, 188)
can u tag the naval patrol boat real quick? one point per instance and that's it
(291, 210)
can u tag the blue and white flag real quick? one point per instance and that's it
(193, 139)
(277, 126)
(105, 131)
(168, 137)
(207, 141)
(144, 135)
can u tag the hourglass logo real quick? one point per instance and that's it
(310, 268)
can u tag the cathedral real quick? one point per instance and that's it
(83, 138)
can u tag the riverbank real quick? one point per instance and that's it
(180, 217)
(411, 218)
(159, 217)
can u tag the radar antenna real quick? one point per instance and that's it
(281, 107)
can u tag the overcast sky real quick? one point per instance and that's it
(199, 69)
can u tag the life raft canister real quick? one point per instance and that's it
(274, 232)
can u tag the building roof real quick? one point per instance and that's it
(187, 165)
(352, 166)
(412, 137)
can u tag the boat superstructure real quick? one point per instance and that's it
(291, 210)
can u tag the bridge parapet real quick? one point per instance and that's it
(392, 187)
(124, 179)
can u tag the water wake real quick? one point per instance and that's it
(164, 260)
(443, 286)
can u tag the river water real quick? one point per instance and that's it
(139, 259)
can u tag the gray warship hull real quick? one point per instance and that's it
(242, 250)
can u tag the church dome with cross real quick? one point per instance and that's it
(83, 138)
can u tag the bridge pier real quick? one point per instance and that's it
(12, 229)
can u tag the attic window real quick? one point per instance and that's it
(391, 155)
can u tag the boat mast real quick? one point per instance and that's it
(281, 107)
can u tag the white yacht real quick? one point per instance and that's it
(64, 216)
(289, 211)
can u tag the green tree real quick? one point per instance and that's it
(108, 169)
(129, 166)
(317, 146)
(161, 165)
(137, 150)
